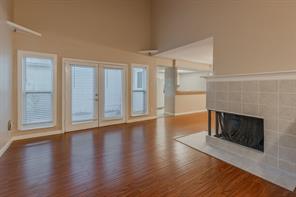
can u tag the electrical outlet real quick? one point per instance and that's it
(9, 125)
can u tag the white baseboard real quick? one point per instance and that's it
(26, 136)
(105, 124)
(5, 147)
(34, 135)
(169, 113)
(190, 112)
(43, 134)
(141, 119)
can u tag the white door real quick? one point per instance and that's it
(160, 93)
(81, 97)
(113, 94)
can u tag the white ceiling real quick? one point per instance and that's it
(198, 52)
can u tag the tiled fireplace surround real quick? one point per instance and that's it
(269, 96)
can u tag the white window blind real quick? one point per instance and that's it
(37, 91)
(113, 91)
(139, 91)
(84, 90)
(140, 79)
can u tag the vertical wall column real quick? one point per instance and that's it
(170, 90)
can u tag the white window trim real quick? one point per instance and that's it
(147, 89)
(68, 125)
(20, 55)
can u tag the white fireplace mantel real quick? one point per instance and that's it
(291, 74)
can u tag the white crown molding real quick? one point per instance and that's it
(20, 28)
(148, 52)
(280, 75)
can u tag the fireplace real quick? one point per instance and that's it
(244, 130)
(255, 111)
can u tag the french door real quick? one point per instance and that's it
(81, 95)
(94, 94)
(113, 94)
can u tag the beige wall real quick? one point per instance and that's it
(89, 30)
(249, 35)
(182, 64)
(116, 23)
(5, 72)
(68, 48)
(190, 103)
(72, 29)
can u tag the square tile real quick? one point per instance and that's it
(288, 154)
(287, 113)
(287, 166)
(235, 96)
(211, 86)
(268, 99)
(287, 141)
(268, 112)
(222, 106)
(268, 86)
(221, 86)
(250, 98)
(222, 96)
(250, 86)
(250, 109)
(287, 99)
(235, 107)
(287, 127)
(287, 86)
(235, 86)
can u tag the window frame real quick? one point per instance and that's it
(146, 67)
(20, 57)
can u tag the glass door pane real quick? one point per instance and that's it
(113, 93)
(139, 91)
(84, 93)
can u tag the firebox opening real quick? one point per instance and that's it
(244, 130)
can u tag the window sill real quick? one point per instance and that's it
(36, 126)
(139, 115)
(190, 92)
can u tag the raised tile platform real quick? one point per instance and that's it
(247, 159)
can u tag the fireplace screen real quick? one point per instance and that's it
(243, 130)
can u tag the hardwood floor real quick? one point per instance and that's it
(139, 159)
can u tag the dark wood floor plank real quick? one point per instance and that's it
(138, 159)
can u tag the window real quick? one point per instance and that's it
(37, 98)
(139, 91)
(191, 80)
